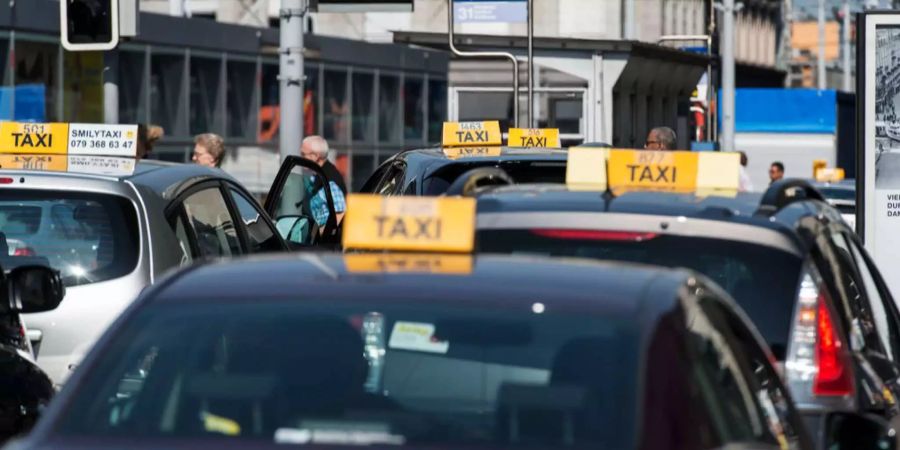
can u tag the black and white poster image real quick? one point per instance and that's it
(887, 107)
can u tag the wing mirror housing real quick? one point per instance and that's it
(32, 289)
(847, 430)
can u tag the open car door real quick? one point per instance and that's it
(301, 203)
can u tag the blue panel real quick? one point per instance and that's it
(767, 110)
(30, 105)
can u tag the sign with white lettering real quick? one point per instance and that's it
(101, 165)
(484, 11)
(102, 140)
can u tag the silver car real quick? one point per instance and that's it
(110, 236)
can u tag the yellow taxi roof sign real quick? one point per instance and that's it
(534, 137)
(472, 134)
(472, 152)
(829, 175)
(586, 168)
(431, 224)
(82, 139)
(408, 263)
(675, 171)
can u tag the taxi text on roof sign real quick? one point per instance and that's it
(534, 137)
(675, 171)
(34, 138)
(471, 152)
(434, 224)
(408, 263)
(472, 134)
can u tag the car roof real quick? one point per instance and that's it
(740, 208)
(164, 178)
(506, 154)
(581, 286)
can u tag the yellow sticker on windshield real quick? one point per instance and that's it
(436, 224)
(471, 152)
(653, 170)
(34, 138)
(472, 134)
(407, 263)
(51, 163)
(534, 137)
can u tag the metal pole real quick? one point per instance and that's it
(531, 63)
(845, 35)
(821, 59)
(291, 77)
(726, 138)
(486, 55)
(111, 87)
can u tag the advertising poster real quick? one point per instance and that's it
(878, 102)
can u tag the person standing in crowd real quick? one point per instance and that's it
(209, 149)
(744, 183)
(776, 171)
(147, 137)
(315, 149)
(661, 138)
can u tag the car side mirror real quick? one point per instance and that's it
(32, 289)
(296, 229)
(846, 430)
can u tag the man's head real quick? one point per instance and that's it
(776, 171)
(315, 148)
(209, 148)
(147, 137)
(743, 159)
(661, 138)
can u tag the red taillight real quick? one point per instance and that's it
(24, 251)
(6, 180)
(595, 235)
(833, 377)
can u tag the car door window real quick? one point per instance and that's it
(184, 239)
(849, 277)
(212, 223)
(879, 304)
(392, 182)
(781, 420)
(261, 237)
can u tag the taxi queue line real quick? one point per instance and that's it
(439, 228)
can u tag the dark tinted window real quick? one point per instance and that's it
(260, 235)
(521, 172)
(87, 237)
(392, 373)
(763, 280)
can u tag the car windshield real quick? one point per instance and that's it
(763, 280)
(398, 373)
(520, 171)
(837, 193)
(87, 237)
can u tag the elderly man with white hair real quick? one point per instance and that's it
(315, 148)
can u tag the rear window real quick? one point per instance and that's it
(320, 373)
(761, 279)
(520, 171)
(87, 237)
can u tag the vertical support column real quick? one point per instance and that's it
(726, 139)
(821, 59)
(845, 36)
(291, 77)
(111, 86)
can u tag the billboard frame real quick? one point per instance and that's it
(361, 6)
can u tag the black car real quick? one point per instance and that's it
(786, 257)
(390, 350)
(433, 171)
(25, 390)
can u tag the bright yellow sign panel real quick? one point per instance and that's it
(534, 137)
(34, 138)
(586, 168)
(408, 263)
(52, 163)
(435, 224)
(819, 164)
(471, 152)
(472, 134)
(831, 175)
(654, 170)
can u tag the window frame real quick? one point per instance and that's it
(177, 208)
(228, 187)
